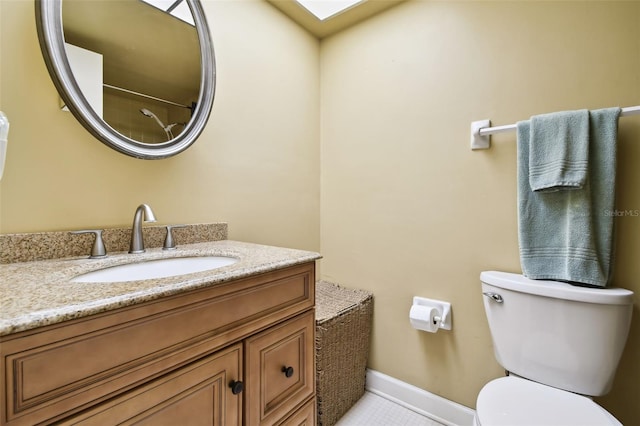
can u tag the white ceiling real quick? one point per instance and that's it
(338, 22)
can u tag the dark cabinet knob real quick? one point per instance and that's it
(236, 387)
(288, 371)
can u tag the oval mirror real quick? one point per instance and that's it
(139, 75)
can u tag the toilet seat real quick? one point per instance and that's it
(511, 401)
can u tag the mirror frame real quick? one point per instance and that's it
(51, 37)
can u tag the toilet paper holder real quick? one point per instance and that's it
(443, 308)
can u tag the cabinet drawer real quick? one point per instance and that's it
(197, 394)
(62, 369)
(279, 370)
(305, 416)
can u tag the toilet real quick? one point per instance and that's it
(560, 345)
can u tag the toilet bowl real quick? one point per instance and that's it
(511, 401)
(560, 344)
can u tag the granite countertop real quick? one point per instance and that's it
(39, 293)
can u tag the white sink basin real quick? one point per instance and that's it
(152, 269)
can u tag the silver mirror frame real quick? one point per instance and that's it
(51, 36)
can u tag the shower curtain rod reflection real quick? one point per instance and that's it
(147, 96)
(481, 132)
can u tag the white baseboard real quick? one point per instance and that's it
(419, 400)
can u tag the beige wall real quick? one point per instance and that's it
(255, 166)
(408, 209)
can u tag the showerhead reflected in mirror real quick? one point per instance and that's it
(150, 59)
(137, 58)
(168, 129)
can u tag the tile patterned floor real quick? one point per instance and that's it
(373, 410)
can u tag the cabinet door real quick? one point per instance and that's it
(279, 370)
(197, 394)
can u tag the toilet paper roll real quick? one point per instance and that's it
(424, 318)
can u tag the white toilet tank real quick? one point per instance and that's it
(557, 334)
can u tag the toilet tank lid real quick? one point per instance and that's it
(557, 289)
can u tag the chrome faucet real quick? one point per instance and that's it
(137, 242)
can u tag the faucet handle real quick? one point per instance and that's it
(98, 250)
(169, 243)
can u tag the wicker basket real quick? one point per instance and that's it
(343, 328)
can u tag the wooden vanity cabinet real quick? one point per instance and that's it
(240, 352)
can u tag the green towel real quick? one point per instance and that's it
(559, 150)
(568, 235)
